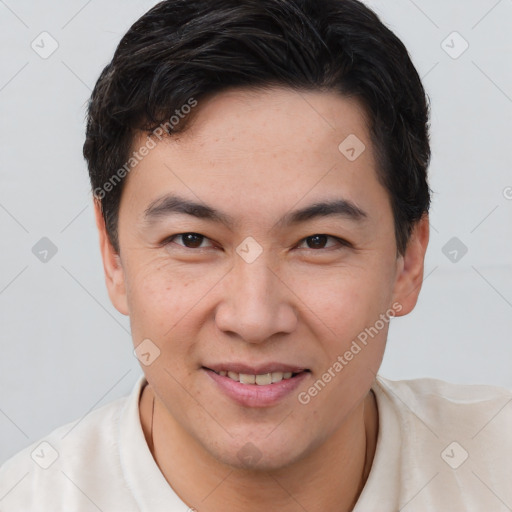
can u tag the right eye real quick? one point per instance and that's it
(189, 240)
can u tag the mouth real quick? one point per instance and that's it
(256, 387)
(260, 379)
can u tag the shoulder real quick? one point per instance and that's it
(65, 468)
(437, 400)
(452, 442)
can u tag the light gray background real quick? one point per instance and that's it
(65, 350)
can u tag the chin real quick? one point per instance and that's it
(259, 455)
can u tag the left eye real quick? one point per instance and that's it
(320, 241)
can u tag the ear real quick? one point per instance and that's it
(410, 267)
(114, 273)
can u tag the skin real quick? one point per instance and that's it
(257, 155)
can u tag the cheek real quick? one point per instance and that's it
(345, 305)
(167, 299)
(162, 312)
(157, 298)
(342, 298)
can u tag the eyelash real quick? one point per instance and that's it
(340, 241)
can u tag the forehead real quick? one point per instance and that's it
(261, 120)
(257, 150)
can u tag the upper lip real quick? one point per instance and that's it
(259, 369)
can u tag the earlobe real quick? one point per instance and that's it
(411, 267)
(114, 273)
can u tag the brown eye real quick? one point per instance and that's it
(192, 240)
(317, 241)
(320, 241)
(189, 240)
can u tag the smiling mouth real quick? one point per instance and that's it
(263, 379)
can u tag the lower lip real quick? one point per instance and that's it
(253, 395)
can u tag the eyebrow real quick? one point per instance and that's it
(172, 204)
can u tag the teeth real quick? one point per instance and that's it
(277, 376)
(264, 380)
(260, 380)
(247, 379)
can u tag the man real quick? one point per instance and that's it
(259, 178)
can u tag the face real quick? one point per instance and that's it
(259, 279)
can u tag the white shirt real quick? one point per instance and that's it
(441, 447)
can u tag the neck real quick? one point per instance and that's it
(331, 477)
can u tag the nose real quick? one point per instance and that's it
(256, 302)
